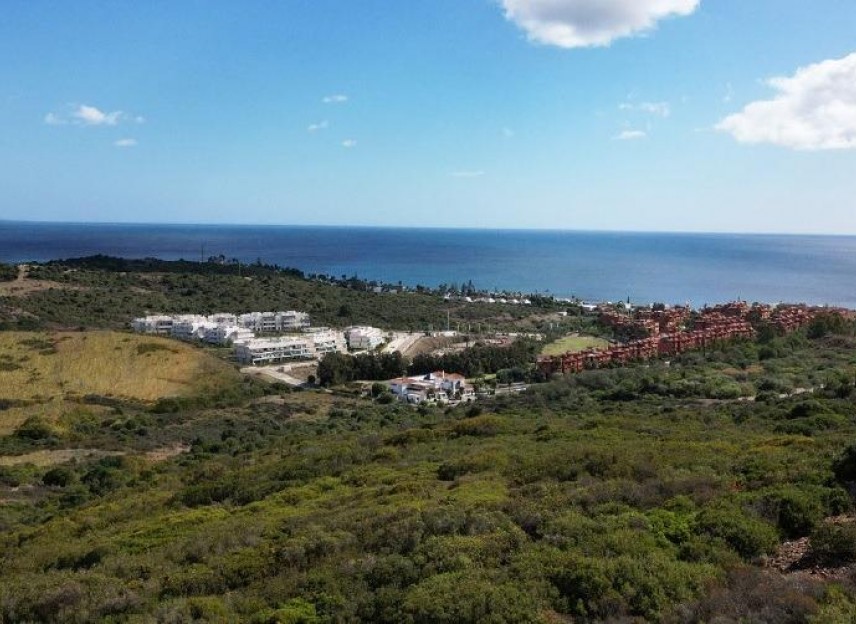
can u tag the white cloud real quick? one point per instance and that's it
(815, 109)
(126, 143)
(321, 125)
(349, 143)
(661, 109)
(630, 135)
(335, 99)
(467, 174)
(586, 23)
(85, 115)
(91, 116)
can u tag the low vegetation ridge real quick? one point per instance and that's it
(716, 486)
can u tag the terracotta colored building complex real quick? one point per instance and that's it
(667, 332)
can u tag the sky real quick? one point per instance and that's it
(647, 115)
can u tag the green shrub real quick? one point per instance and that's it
(834, 544)
(35, 428)
(296, 611)
(58, 477)
(748, 535)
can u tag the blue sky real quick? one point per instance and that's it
(567, 114)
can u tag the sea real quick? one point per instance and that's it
(672, 268)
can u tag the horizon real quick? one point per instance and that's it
(354, 226)
(685, 116)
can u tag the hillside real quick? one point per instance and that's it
(650, 493)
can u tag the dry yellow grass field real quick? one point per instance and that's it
(49, 368)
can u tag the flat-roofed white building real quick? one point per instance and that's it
(190, 327)
(155, 324)
(223, 318)
(228, 334)
(294, 321)
(270, 322)
(325, 340)
(363, 337)
(261, 351)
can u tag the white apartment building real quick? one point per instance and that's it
(362, 337)
(157, 324)
(325, 340)
(190, 327)
(223, 318)
(228, 334)
(270, 322)
(312, 344)
(263, 351)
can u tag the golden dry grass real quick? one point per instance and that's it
(103, 363)
(50, 458)
(50, 367)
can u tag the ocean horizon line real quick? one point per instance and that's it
(427, 228)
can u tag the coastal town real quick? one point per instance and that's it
(279, 343)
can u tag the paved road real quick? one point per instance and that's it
(402, 342)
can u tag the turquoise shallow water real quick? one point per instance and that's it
(673, 268)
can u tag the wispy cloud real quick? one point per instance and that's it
(52, 119)
(86, 115)
(660, 109)
(815, 109)
(630, 135)
(349, 143)
(335, 99)
(91, 116)
(467, 174)
(125, 143)
(321, 125)
(586, 23)
(507, 133)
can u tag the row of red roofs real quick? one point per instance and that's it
(666, 338)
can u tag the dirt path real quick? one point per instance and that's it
(22, 285)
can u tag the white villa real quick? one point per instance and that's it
(362, 337)
(439, 386)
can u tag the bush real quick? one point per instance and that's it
(58, 477)
(834, 544)
(35, 428)
(845, 466)
(748, 535)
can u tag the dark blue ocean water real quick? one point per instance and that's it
(674, 268)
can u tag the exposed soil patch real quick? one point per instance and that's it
(796, 557)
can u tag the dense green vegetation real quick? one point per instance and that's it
(8, 272)
(480, 359)
(647, 493)
(108, 292)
